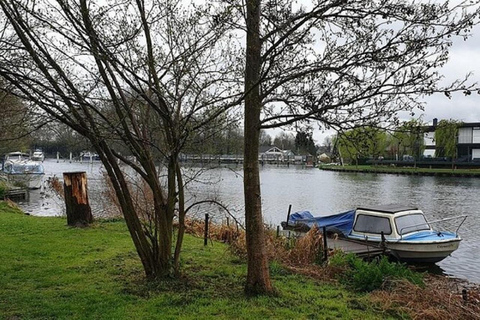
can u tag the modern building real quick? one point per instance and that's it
(468, 141)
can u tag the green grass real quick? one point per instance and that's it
(404, 170)
(51, 271)
(364, 275)
(3, 188)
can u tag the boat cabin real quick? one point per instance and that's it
(23, 167)
(17, 156)
(394, 221)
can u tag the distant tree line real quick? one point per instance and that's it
(406, 140)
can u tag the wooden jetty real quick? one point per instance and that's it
(360, 248)
(16, 193)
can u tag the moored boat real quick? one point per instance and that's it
(38, 155)
(17, 156)
(20, 170)
(89, 156)
(402, 230)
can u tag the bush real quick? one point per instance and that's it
(3, 189)
(368, 276)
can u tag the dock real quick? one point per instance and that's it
(16, 193)
(360, 248)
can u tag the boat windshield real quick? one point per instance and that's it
(372, 224)
(27, 168)
(411, 223)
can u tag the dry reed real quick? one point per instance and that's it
(441, 299)
(56, 186)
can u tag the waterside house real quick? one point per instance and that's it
(468, 142)
(270, 154)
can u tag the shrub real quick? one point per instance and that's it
(3, 189)
(368, 276)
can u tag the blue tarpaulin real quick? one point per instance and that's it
(341, 222)
(431, 236)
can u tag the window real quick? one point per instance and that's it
(411, 223)
(372, 224)
(476, 135)
(465, 135)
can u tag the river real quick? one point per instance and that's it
(321, 192)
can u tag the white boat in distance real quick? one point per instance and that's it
(38, 156)
(21, 171)
(17, 156)
(402, 230)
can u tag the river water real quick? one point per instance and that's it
(321, 192)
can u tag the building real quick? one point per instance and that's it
(468, 141)
(270, 153)
(468, 144)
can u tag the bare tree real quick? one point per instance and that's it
(258, 277)
(265, 138)
(342, 63)
(328, 143)
(136, 76)
(285, 141)
(15, 122)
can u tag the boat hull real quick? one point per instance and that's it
(30, 181)
(423, 252)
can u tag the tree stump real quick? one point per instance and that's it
(79, 213)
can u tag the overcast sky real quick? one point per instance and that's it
(464, 58)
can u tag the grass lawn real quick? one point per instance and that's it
(51, 271)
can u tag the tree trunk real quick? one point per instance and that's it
(78, 209)
(181, 221)
(258, 277)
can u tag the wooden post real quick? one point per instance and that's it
(288, 214)
(79, 213)
(382, 244)
(205, 238)
(325, 245)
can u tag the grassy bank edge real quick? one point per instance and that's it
(405, 170)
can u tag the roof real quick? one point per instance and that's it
(265, 149)
(389, 208)
(431, 128)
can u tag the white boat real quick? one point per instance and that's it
(38, 156)
(402, 230)
(88, 156)
(21, 171)
(17, 156)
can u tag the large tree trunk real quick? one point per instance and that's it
(258, 277)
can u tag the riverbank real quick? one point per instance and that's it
(474, 173)
(52, 271)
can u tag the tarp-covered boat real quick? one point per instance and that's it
(403, 230)
(21, 171)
